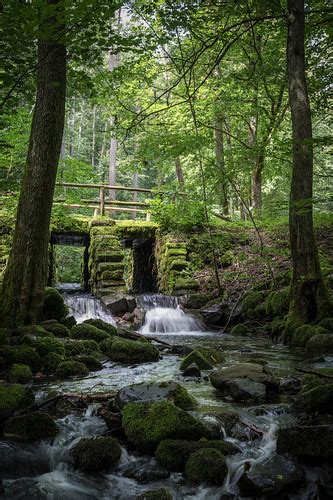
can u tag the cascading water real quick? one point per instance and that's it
(164, 315)
(84, 306)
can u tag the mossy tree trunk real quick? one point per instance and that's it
(308, 298)
(27, 270)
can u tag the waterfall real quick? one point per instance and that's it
(84, 306)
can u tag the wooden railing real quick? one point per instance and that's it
(102, 205)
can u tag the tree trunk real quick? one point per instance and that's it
(308, 296)
(219, 156)
(256, 182)
(71, 127)
(135, 193)
(179, 174)
(27, 270)
(93, 141)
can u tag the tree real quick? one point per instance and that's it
(308, 296)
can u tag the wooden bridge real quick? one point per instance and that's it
(101, 205)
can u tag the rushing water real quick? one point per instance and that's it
(44, 470)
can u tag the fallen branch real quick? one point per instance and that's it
(125, 333)
(223, 217)
(313, 372)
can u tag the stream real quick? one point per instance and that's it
(43, 471)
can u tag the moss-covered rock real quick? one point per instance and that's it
(46, 345)
(58, 329)
(321, 343)
(85, 331)
(12, 398)
(204, 357)
(277, 303)
(327, 323)
(54, 306)
(20, 374)
(8, 355)
(30, 331)
(315, 441)
(129, 351)
(147, 424)
(97, 454)
(89, 361)
(69, 322)
(51, 362)
(239, 330)
(29, 427)
(174, 453)
(303, 334)
(76, 347)
(250, 302)
(102, 325)
(27, 355)
(206, 466)
(315, 397)
(159, 494)
(67, 369)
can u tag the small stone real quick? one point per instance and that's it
(192, 371)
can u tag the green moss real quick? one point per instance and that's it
(239, 329)
(67, 369)
(277, 303)
(51, 362)
(174, 453)
(107, 256)
(97, 454)
(89, 361)
(183, 399)
(86, 331)
(159, 494)
(199, 359)
(129, 351)
(8, 355)
(54, 306)
(27, 355)
(58, 329)
(185, 283)
(206, 466)
(147, 424)
(34, 331)
(69, 321)
(226, 259)
(102, 325)
(48, 344)
(327, 323)
(20, 374)
(315, 397)
(250, 302)
(178, 265)
(76, 347)
(32, 426)
(321, 343)
(303, 334)
(12, 398)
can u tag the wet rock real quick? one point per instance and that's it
(147, 424)
(159, 494)
(216, 314)
(67, 369)
(147, 473)
(117, 304)
(58, 329)
(315, 441)
(221, 378)
(239, 330)
(139, 317)
(228, 418)
(86, 331)
(69, 321)
(131, 303)
(315, 398)
(204, 357)
(20, 374)
(54, 306)
(290, 385)
(206, 466)
(241, 389)
(195, 300)
(14, 397)
(321, 343)
(75, 347)
(129, 351)
(192, 371)
(17, 461)
(102, 325)
(28, 356)
(91, 363)
(154, 391)
(96, 454)
(278, 474)
(112, 419)
(174, 453)
(29, 427)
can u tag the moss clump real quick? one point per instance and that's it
(147, 424)
(89, 361)
(303, 334)
(69, 321)
(3, 336)
(250, 302)
(85, 331)
(321, 343)
(51, 362)
(12, 398)
(76, 347)
(67, 369)
(27, 355)
(174, 453)
(26, 332)
(58, 329)
(206, 466)
(102, 325)
(129, 351)
(277, 303)
(8, 355)
(197, 358)
(32, 426)
(327, 323)
(54, 306)
(20, 374)
(315, 397)
(46, 345)
(240, 330)
(96, 455)
(182, 398)
(159, 494)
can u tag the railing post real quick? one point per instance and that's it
(101, 201)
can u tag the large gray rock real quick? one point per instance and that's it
(272, 477)
(306, 441)
(242, 389)
(221, 378)
(217, 314)
(148, 392)
(115, 303)
(321, 343)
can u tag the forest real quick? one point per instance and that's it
(166, 249)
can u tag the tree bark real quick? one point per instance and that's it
(308, 296)
(219, 156)
(179, 174)
(256, 182)
(93, 139)
(27, 270)
(135, 193)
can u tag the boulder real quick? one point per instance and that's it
(315, 441)
(129, 351)
(14, 397)
(20, 374)
(242, 389)
(302, 335)
(67, 369)
(204, 357)
(115, 303)
(45, 345)
(174, 453)
(86, 331)
(315, 398)
(159, 494)
(51, 362)
(192, 371)
(216, 314)
(155, 391)
(58, 329)
(279, 473)
(139, 317)
(206, 466)
(93, 455)
(147, 424)
(27, 355)
(221, 378)
(69, 321)
(239, 330)
(321, 343)
(30, 427)
(76, 347)
(54, 306)
(91, 363)
(17, 462)
(102, 325)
